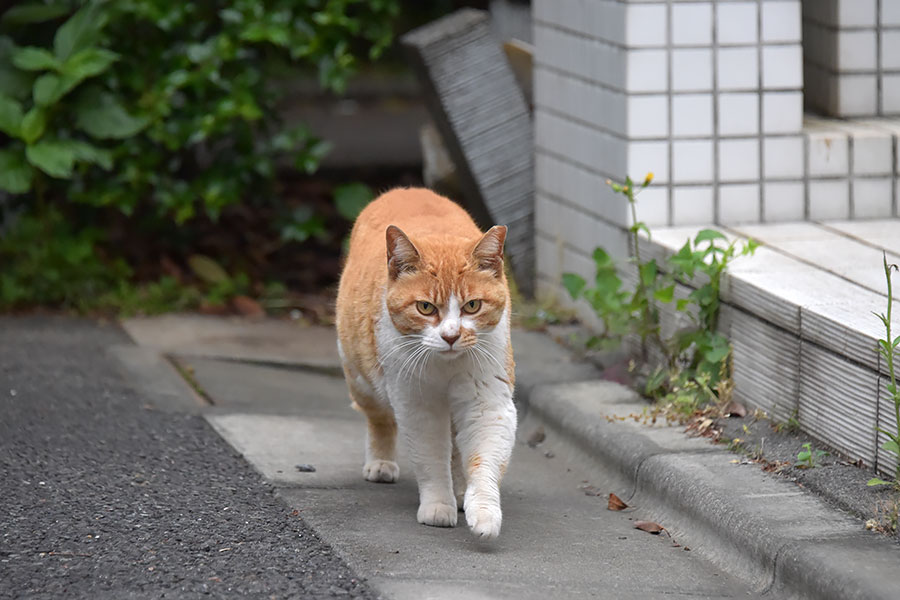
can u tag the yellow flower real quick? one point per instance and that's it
(648, 178)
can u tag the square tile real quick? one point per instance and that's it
(646, 70)
(692, 70)
(872, 153)
(736, 23)
(857, 13)
(738, 114)
(890, 49)
(737, 68)
(872, 198)
(692, 205)
(739, 160)
(653, 206)
(890, 13)
(782, 112)
(857, 95)
(692, 161)
(646, 157)
(783, 157)
(648, 116)
(692, 115)
(738, 203)
(856, 50)
(784, 201)
(829, 154)
(890, 94)
(829, 200)
(645, 25)
(780, 21)
(782, 67)
(692, 24)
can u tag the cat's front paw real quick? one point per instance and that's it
(437, 514)
(484, 520)
(381, 471)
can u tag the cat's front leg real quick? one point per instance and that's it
(426, 427)
(484, 417)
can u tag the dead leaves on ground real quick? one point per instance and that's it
(615, 503)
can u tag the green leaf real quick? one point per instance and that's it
(682, 304)
(49, 88)
(707, 235)
(10, 116)
(32, 58)
(718, 353)
(351, 198)
(33, 125)
(207, 269)
(896, 341)
(90, 153)
(602, 258)
(34, 13)
(79, 31)
(876, 481)
(100, 115)
(53, 157)
(15, 174)
(88, 63)
(648, 273)
(574, 284)
(665, 294)
(891, 446)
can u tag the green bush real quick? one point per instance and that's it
(167, 102)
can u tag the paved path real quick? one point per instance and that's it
(111, 486)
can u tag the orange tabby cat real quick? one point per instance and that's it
(423, 332)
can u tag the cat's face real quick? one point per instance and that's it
(446, 292)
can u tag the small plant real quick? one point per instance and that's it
(809, 458)
(888, 349)
(791, 426)
(697, 366)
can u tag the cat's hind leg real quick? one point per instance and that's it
(381, 437)
(459, 475)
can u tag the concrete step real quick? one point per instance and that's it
(799, 314)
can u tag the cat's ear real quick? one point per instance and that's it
(402, 256)
(488, 253)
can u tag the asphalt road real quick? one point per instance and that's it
(102, 496)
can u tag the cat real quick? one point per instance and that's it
(423, 313)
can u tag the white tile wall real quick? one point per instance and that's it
(828, 154)
(783, 158)
(647, 71)
(780, 21)
(653, 206)
(782, 112)
(692, 69)
(738, 203)
(872, 153)
(645, 24)
(890, 12)
(872, 198)
(692, 160)
(738, 114)
(692, 24)
(856, 50)
(692, 205)
(782, 67)
(737, 68)
(648, 116)
(739, 160)
(692, 115)
(784, 201)
(890, 89)
(649, 157)
(857, 13)
(736, 23)
(828, 200)
(857, 94)
(890, 48)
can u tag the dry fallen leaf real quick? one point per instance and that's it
(537, 436)
(615, 503)
(590, 490)
(735, 409)
(248, 307)
(649, 527)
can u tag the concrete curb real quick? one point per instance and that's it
(782, 539)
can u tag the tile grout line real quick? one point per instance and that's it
(759, 113)
(879, 77)
(670, 200)
(716, 190)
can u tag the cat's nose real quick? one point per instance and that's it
(450, 338)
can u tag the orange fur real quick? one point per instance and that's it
(445, 237)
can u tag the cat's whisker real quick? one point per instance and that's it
(490, 357)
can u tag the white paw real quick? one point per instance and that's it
(437, 514)
(484, 521)
(384, 471)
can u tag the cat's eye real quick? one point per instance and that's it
(471, 306)
(426, 308)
